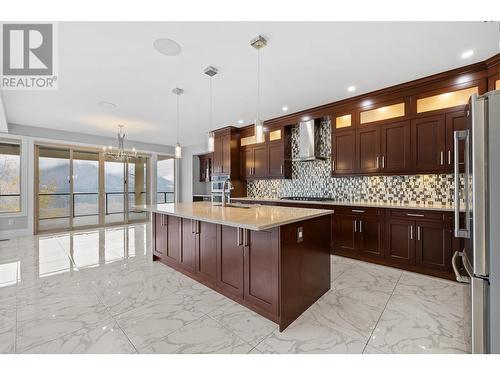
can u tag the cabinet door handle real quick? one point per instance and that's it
(383, 161)
(411, 232)
(449, 156)
(358, 211)
(441, 157)
(418, 232)
(333, 165)
(361, 226)
(415, 215)
(281, 168)
(238, 236)
(245, 237)
(355, 226)
(377, 162)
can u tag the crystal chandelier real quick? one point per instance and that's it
(119, 153)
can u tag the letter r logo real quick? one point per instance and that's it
(27, 49)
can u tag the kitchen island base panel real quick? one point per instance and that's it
(276, 272)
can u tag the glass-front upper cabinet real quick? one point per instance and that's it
(342, 121)
(444, 100)
(382, 113)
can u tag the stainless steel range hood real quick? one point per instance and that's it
(309, 141)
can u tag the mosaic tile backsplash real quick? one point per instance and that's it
(313, 179)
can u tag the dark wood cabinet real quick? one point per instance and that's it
(370, 237)
(226, 155)
(395, 147)
(358, 232)
(454, 121)
(345, 234)
(230, 261)
(206, 252)
(428, 144)
(276, 160)
(368, 149)
(205, 167)
(159, 235)
(254, 161)
(189, 245)
(400, 241)
(344, 159)
(260, 269)
(173, 239)
(433, 246)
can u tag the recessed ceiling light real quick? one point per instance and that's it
(167, 46)
(107, 105)
(351, 88)
(240, 122)
(284, 108)
(467, 54)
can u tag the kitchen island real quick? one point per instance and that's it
(273, 260)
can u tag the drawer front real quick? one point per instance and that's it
(364, 211)
(419, 215)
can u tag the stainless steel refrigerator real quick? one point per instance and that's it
(477, 218)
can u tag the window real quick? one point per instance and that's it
(445, 100)
(165, 181)
(10, 181)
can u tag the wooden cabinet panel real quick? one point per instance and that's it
(246, 161)
(368, 149)
(187, 253)
(454, 121)
(160, 235)
(261, 270)
(230, 261)
(370, 236)
(400, 241)
(395, 147)
(433, 246)
(226, 154)
(173, 240)
(276, 159)
(260, 161)
(344, 152)
(206, 253)
(428, 143)
(345, 234)
(205, 167)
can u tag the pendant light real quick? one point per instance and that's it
(211, 71)
(258, 43)
(178, 150)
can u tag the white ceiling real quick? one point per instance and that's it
(304, 65)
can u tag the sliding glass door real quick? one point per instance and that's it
(54, 189)
(84, 188)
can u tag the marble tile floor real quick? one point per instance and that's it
(98, 291)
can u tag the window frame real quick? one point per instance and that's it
(23, 180)
(159, 158)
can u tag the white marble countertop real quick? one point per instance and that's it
(375, 204)
(254, 217)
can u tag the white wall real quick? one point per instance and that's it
(20, 224)
(188, 172)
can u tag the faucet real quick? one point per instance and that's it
(229, 187)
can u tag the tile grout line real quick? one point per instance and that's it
(128, 338)
(382, 313)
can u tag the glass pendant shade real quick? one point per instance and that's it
(259, 131)
(211, 142)
(178, 151)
